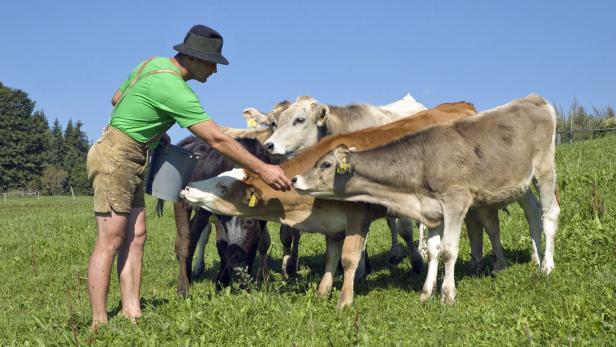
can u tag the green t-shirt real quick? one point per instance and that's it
(155, 102)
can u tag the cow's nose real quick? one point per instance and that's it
(269, 146)
(294, 179)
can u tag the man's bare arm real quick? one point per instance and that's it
(209, 132)
(116, 97)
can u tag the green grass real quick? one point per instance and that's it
(45, 245)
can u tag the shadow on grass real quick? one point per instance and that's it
(383, 273)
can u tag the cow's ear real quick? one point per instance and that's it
(322, 114)
(251, 196)
(254, 117)
(343, 166)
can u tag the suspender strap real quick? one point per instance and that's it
(138, 77)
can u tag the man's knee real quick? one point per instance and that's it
(111, 242)
(141, 236)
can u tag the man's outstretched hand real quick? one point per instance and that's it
(275, 177)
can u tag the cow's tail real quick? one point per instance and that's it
(158, 210)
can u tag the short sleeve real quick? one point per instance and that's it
(183, 105)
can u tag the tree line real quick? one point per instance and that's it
(35, 156)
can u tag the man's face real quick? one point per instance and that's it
(201, 69)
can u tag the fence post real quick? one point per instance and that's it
(72, 192)
(4, 198)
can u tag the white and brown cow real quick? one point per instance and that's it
(437, 175)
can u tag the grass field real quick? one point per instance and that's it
(45, 245)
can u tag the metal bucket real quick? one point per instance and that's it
(170, 171)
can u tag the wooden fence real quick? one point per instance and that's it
(569, 136)
(24, 193)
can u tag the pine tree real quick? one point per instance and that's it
(76, 150)
(57, 149)
(23, 138)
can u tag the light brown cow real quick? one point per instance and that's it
(437, 175)
(306, 121)
(242, 193)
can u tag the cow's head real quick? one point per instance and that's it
(257, 119)
(237, 240)
(233, 193)
(329, 175)
(297, 127)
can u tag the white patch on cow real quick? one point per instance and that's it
(208, 193)
(237, 173)
(300, 183)
(407, 106)
(235, 233)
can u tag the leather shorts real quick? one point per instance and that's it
(116, 168)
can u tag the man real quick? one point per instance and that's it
(153, 98)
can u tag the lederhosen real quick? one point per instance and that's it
(117, 163)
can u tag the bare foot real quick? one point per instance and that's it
(133, 317)
(97, 323)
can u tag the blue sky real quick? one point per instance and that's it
(70, 56)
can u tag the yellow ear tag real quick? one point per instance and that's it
(251, 123)
(342, 168)
(253, 200)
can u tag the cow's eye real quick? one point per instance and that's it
(223, 188)
(300, 120)
(326, 165)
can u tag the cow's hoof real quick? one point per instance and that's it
(395, 256)
(324, 291)
(417, 263)
(547, 267)
(449, 296)
(448, 300)
(198, 270)
(534, 259)
(424, 297)
(344, 301)
(289, 267)
(499, 266)
(183, 291)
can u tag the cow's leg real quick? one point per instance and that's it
(433, 245)
(353, 245)
(223, 278)
(334, 250)
(199, 267)
(405, 228)
(188, 233)
(182, 213)
(395, 252)
(475, 237)
(546, 184)
(532, 210)
(453, 217)
(295, 251)
(289, 238)
(489, 218)
(264, 245)
(422, 243)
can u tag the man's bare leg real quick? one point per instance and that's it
(111, 232)
(130, 258)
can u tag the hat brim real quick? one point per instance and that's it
(211, 57)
